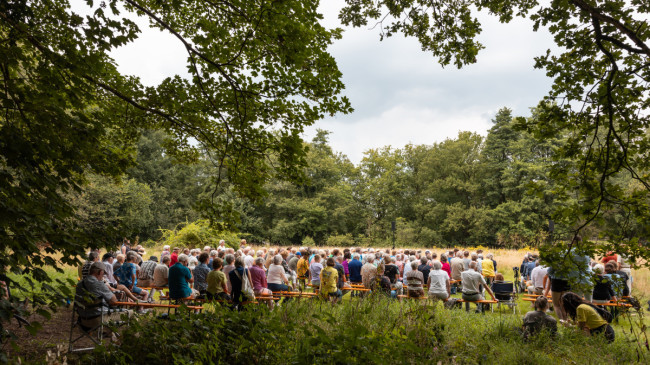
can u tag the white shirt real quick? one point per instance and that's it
(438, 281)
(537, 276)
(276, 275)
(249, 261)
(407, 267)
(192, 262)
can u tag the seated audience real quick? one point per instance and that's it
(382, 284)
(201, 272)
(95, 297)
(108, 259)
(119, 261)
(414, 281)
(473, 282)
(328, 282)
(258, 277)
(355, 269)
(619, 280)
(314, 270)
(369, 272)
(217, 284)
(85, 268)
(180, 278)
(145, 276)
(438, 281)
(277, 278)
(127, 275)
(236, 277)
(603, 291)
(161, 273)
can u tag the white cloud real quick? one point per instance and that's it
(398, 126)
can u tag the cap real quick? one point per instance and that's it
(298, 253)
(153, 258)
(99, 265)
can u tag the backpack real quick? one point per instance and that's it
(606, 315)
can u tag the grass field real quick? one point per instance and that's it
(470, 334)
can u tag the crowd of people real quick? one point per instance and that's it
(237, 276)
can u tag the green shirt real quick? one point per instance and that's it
(588, 315)
(216, 279)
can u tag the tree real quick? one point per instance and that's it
(259, 73)
(598, 100)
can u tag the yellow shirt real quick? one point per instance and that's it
(588, 315)
(488, 267)
(328, 279)
(303, 267)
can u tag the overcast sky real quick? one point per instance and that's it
(400, 94)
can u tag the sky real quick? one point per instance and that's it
(400, 94)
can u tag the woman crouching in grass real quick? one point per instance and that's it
(587, 316)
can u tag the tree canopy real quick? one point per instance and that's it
(259, 73)
(598, 100)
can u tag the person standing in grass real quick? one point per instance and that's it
(587, 317)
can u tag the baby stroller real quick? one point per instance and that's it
(504, 291)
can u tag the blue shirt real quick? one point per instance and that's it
(125, 273)
(179, 274)
(354, 267)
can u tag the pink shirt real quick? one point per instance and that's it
(446, 268)
(259, 278)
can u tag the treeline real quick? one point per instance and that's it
(496, 190)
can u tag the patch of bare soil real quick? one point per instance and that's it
(53, 337)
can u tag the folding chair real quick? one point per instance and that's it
(505, 292)
(94, 333)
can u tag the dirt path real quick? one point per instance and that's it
(55, 332)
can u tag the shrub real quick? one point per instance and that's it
(197, 235)
(341, 240)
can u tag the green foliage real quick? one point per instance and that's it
(308, 241)
(372, 330)
(198, 234)
(110, 209)
(343, 240)
(259, 73)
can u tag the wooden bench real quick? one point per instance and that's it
(155, 305)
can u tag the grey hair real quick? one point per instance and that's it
(413, 258)
(437, 265)
(490, 256)
(371, 257)
(414, 265)
(239, 262)
(230, 258)
(259, 260)
(214, 253)
(182, 258)
(277, 259)
(356, 256)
